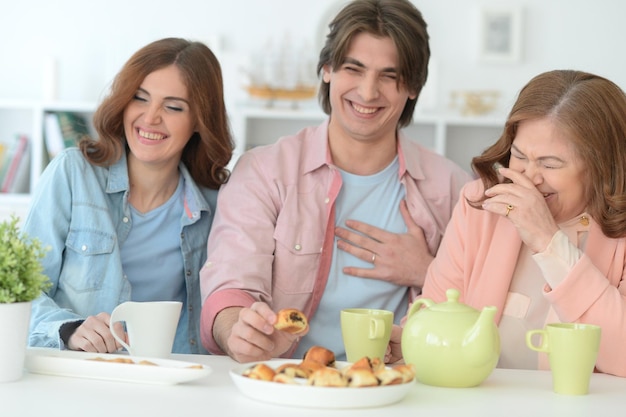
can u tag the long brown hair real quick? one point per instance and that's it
(210, 148)
(398, 19)
(591, 111)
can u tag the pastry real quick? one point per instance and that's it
(367, 363)
(407, 370)
(389, 376)
(283, 378)
(260, 371)
(318, 368)
(327, 377)
(361, 377)
(363, 363)
(377, 364)
(294, 370)
(321, 355)
(308, 367)
(291, 320)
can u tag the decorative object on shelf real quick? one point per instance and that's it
(21, 281)
(282, 71)
(474, 103)
(272, 94)
(500, 34)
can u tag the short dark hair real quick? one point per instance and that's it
(399, 20)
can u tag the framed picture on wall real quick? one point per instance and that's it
(500, 37)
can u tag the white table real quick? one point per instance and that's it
(506, 393)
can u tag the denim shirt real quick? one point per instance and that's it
(81, 213)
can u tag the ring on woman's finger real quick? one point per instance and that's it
(508, 210)
(373, 257)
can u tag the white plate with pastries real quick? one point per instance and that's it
(114, 367)
(299, 393)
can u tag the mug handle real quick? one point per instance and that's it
(377, 328)
(543, 347)
(115, 317)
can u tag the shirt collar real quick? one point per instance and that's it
(194, 199)
(118, 176)
(413, 165)
(317, 147)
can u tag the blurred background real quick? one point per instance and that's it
(78, 46)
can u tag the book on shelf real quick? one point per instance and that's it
(15, 166)
(63, 129)
(3, 149)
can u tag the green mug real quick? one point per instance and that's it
(572, 350)
(365, 332)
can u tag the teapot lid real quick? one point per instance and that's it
(453, 305)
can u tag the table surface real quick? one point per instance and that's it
(506, 392)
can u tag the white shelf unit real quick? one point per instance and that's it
(27, 117)
(457, 137)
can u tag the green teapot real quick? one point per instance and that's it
(450, 344)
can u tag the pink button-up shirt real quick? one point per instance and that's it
(480, 253)
(273, 233)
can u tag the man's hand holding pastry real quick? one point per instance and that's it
(254, 337)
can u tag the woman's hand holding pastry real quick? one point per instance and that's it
(94, 335)
(524, 205)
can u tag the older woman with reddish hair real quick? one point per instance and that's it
(542, 234)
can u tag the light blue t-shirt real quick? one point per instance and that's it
(151, 256)
(156, 274)
(373, 199)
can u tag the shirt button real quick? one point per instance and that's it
(297, 247)
(125, 219)
(327, 200)
(83, 248)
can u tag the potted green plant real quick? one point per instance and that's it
(21, 281)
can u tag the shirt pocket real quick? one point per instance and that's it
(296, 257)
(88, 256)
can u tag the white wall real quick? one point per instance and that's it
(89, 41)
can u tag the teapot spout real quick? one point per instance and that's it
(481, 344)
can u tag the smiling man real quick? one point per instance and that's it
(346, 214)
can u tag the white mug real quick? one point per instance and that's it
(151, 326)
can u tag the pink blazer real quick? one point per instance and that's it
(478, 254)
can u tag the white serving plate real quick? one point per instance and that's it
(301, 395)
(81, 365)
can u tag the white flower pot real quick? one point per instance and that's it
(14, 321)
